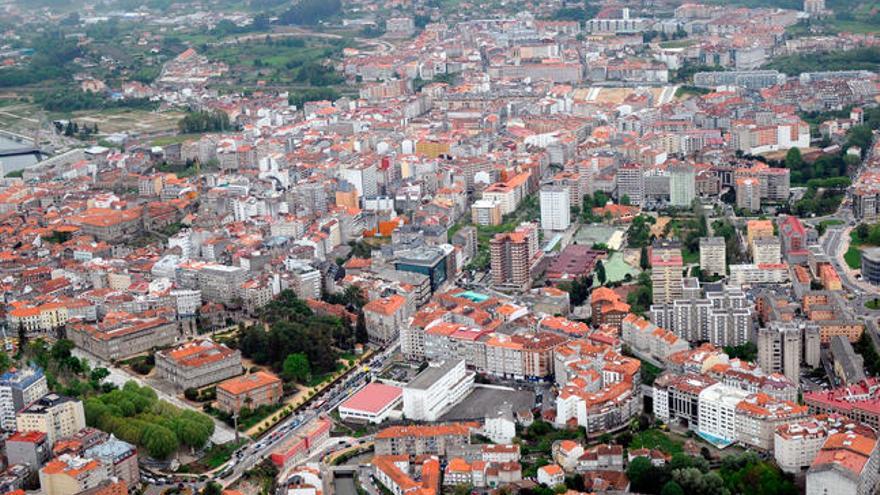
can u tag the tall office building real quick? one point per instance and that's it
(682, 185)
(713, 256)
(19, 388)
(555, 208)
(666, 268)
(631, 183)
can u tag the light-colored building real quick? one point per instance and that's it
(631, 183)
(848, 463)
(555, 208)
(19, 388)
(766, 251)
(717, 412)
(371, 404)
(713, 256)
(123, 336)
(55, 415)
(385, 317)
(197, 363)
(748, 193)
(682, 185)
(68, 475)
(437, 389)
(666, 273)
(759, 415)
(120, 458)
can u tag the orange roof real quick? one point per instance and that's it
(386, 306)
(243, 384)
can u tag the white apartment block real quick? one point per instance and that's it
(555, 208)
(717, 411)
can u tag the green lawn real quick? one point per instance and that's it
(873, 304)
(174, 139)
(219, 454)
(656, 439)
(853, 257)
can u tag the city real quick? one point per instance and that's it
(424, 247)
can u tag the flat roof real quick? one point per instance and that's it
(431, 374)
(373, 398)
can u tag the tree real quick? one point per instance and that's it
(296, 367)
(644, 261)
(600, 272)
(625, 200)
(212, 488)
(641, 475)
(671, 488)
(793, 159)
(5, 362)
(159, 441)
(22, 338)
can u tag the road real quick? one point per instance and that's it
(252, 454)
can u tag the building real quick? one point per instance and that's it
(783, 346)
(607, 307)
(871, 265)
(717, 413)
(384, 318)
(486, 212)
(305, 442)
(848, 462)
(124, 335)
(682, 185)
(766, 251)
(511, 256)
(814, 7)
(848, 366)
(666, 272)
(251, 391)
(755, 229)
(713, 256)
(551, 475)
(796, 444)
(793, 236)
(18, 388)
(55, 415)
(859, 402)
(68, 475)
(197, 363)
(631, 183)
(437, 389)
(430, 261)
(648, 340)
(373, 403)
(677, 397)
(30, 448)
(119, 457)
(438, 439)
(555, 208)
(401, 477)
(305, 280)
(759, 415)
(748, 193)
(221, 283)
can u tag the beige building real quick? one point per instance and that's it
(124, 335)
(758, 416)
(748, 193)
(766, 251)
(198, 363)
(55, 415)
(385, 317)
(713, 256)
(67, 475)
(251, 391)
(666, 272)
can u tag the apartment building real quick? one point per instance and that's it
(766, 251)
(511, 257)
(859, 402)
(666, 272)
(55, 415)
(385, 317)
(197, 363)
(682, 185)
(796, 444)
(119, 457)
(555, 208)
(759, 415)
(437, 389)
(69, 475)
(713, 256)
(631, 183)
(748, 193)
(649, 340)
(677, 397)
(251, 391)
(417, 440)
(18, 388)
(717, 413)
(848, 462)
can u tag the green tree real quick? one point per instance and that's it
(600, 272)
(212, 488)
(625, 200)
(671, 488)
(641, 475)
(296, 367)
(644, 260)
(793, 159)
(159, 441)
(5, 362)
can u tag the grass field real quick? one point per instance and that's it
(135, 122)
(873, 304)
(853, 258)
(655, 439)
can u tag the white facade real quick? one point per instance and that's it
(717, 411)
(187, 301)
(682, 186)
(555, 208)
(436, 390)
